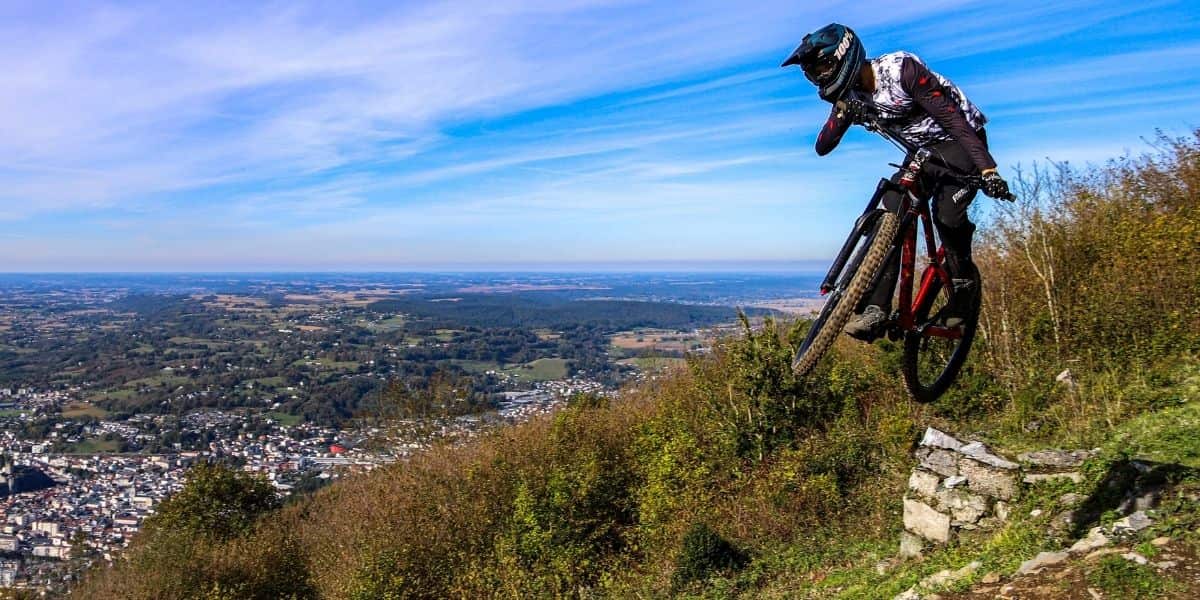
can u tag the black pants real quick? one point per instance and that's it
(950, 202)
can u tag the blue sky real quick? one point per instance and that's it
(535, 133)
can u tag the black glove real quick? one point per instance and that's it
(995, 186)
(856, 111)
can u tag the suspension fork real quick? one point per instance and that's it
(862, 228)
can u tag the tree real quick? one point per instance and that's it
(217, 503)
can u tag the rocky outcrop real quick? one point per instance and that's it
(955, 487)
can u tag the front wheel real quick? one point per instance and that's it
(933, 355)
(850, 288)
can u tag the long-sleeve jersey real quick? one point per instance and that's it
(924, 107)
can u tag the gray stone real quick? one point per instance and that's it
(1095, 539)
(1002, 510)
(983, 479)
(953, 482)
(923, 483)
(979, 452)
(942, 462)
(1041, 561)
(1166, 564)
(926, 522)
(962, 505)
(1147, 500)
(937, 439)
(1133, 523)
(990, 578)
(909, 594)
(1066, 378)
(1040, 477)
(1071, 499)
(1135, 557)
(947, 577)
(1056, 459)
(989, 523)
(911, 545)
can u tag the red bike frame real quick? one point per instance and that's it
(914, 210)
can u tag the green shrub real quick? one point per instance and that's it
(703, 553)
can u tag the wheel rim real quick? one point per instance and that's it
(934, 353)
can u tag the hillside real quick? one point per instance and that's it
(730, 478)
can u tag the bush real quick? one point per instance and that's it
(703, 553)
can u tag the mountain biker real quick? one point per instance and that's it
(927, 110)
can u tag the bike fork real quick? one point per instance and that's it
(862, 228)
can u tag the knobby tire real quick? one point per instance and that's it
(837, 310)
(915, 351)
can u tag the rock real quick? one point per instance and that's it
(1071, 499)
(1037, 512)
(1147, 500)
(953, 482)
(990, 578)
(979, 452)
(1041, 561)
(942, 462)
(1094, 594)
(1166, 564)
(962, 505)
(1063, 521)
(1161, 541)
(1066, 378)
(923, 483)
(1002, 510)
(882, 567)
(1034, 478)
(1095, 539)
(909, 594)
(1133, 523)
(947, 577)
(984, 479)
(1135, 557)
(937, 439)
(926, 522)
(911, 545)
(1056, 459)
(1101, 552)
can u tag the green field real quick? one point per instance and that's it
(80, 409)
(268, 382)
(388, 324)
(325, 363)
(96, 446)
(653, 363)
(285, 419)
(542, 369)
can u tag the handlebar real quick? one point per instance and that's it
(867, 113)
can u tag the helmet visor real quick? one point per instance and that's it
(821, 69)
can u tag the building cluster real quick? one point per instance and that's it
(99, 501)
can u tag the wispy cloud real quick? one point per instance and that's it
(504, 127)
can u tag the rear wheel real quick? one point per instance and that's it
(934, 355)
(851, 286)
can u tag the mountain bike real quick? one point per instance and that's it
(933, 352)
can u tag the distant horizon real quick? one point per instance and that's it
(648, 267)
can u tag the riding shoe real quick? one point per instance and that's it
(868, 325)
(961, 303)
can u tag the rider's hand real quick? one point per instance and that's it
(995, 186)
(855, 111)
